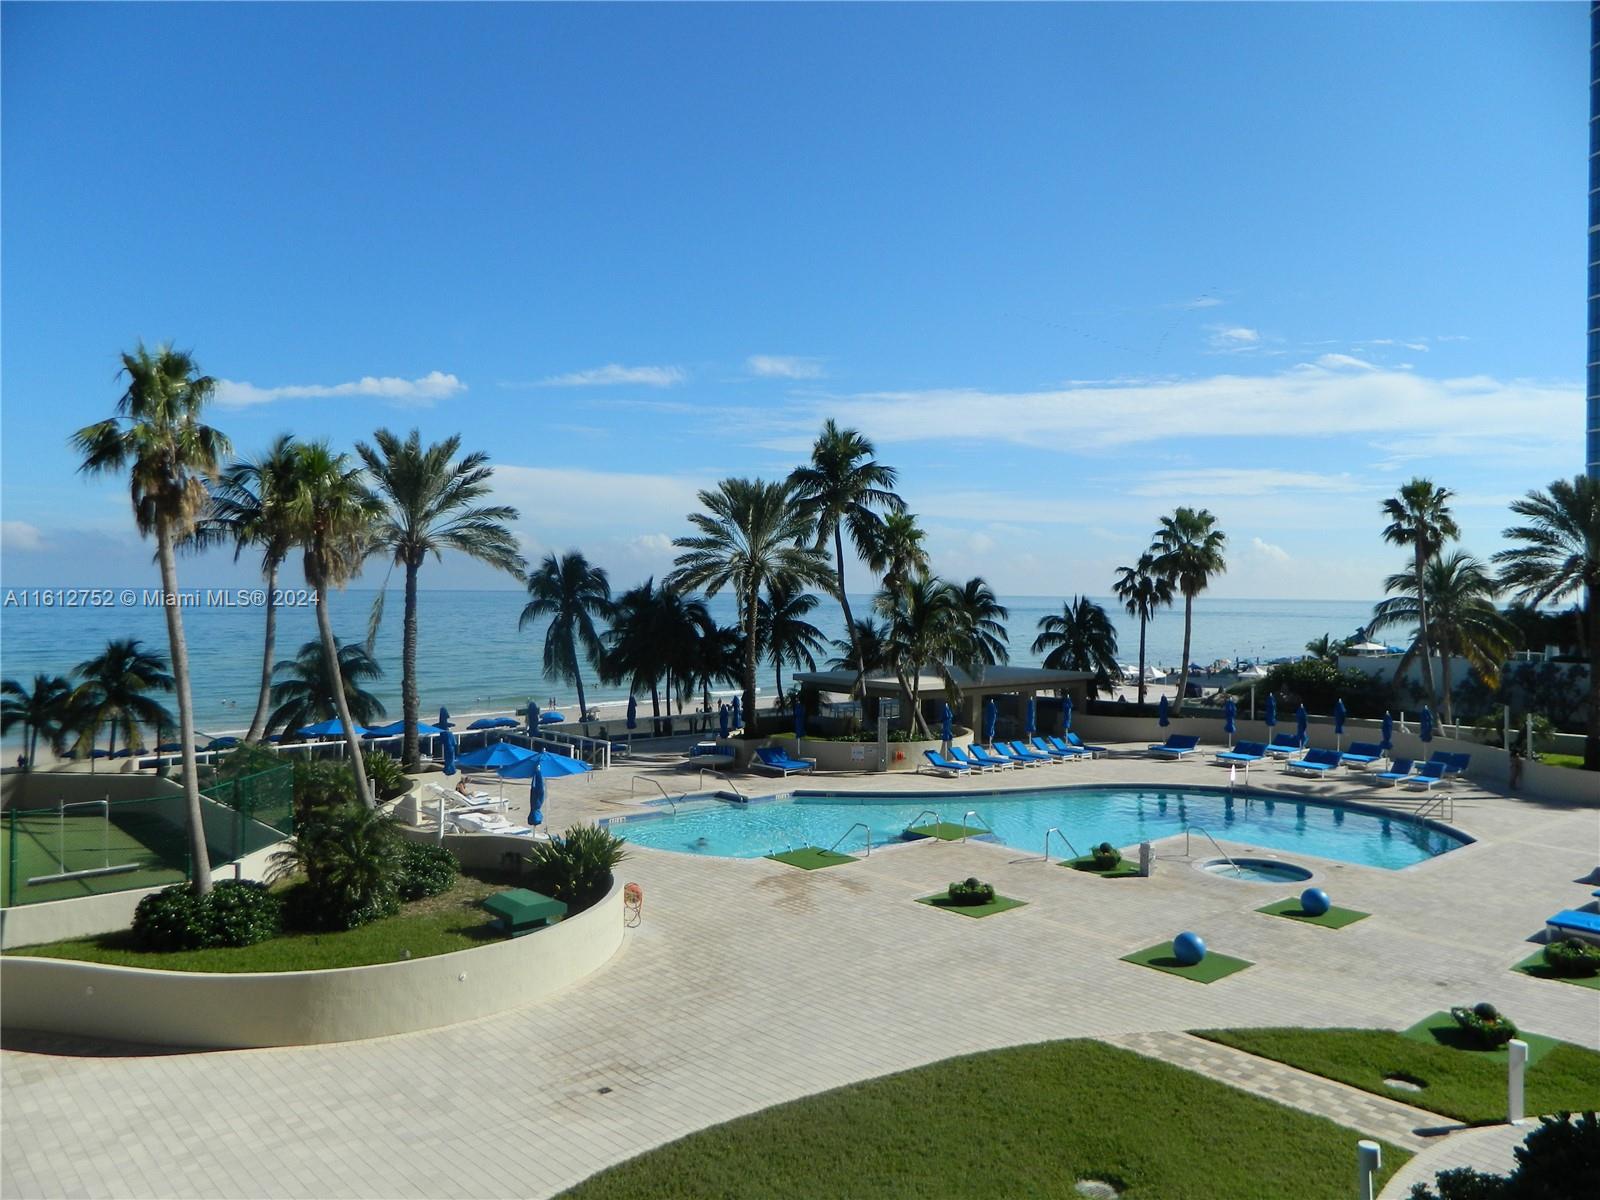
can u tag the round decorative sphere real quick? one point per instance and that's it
(1314, 902)
(1188, 948)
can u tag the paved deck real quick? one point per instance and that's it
(750, 983)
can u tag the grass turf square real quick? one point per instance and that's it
(1441, 1029)
(810, 858)
(998, 905)
(946, 831)
(1123, 870)
(1334, 918)
(1209, 969)
(1534, 965)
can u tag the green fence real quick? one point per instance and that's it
(87, 848)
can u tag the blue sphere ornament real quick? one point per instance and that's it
(1314, 902)
(1188, 949)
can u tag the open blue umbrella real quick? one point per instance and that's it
(1388, 732)
(485, 723)
(536, 811)
(395, 728)
(551, 718)
(722, 720)
(332, 727)
(1338, 724)
(501, 754)
(547, 763)
(1163, 713)
(507, 723)
(633, 713)
(1300, 723)
(737, 715)
(1066, 715)
(799, 720)
(991, 715)
(1272, 712)
(1031, 727)
(1425, 724)
(1230, 715)
(946, 729)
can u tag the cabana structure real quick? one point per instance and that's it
(828, 694)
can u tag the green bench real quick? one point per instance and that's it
(521, 911)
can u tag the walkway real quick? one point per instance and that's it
(1488, 1149)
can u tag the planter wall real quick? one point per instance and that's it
(178, 1008)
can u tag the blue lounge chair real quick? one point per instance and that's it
(1004, 750)
(1176, 746)
(1428, 774)
(1244, 752)
(774, 758)
(1063, 753)
(1574, 922)
(1459, 764)
(983, 758)
(1399, 770)
(1362, 755)
(1284, 745)
(1022, 751)
(1076, 743)
(940, 763)
(957, 754)
(1314, 762)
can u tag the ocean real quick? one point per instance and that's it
(471, 657)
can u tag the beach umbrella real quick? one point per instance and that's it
(1425, 724)
(1066, 714)
(222, 743)
(1272, 712)
(737, 715)
(332, 727)
(991, 714)
(1230, 714)
(1338, 724)
(722, 720)
(799, 720)
(536, 811)
(1300, 723)
(501, 754)
(1388, 732)
(547, 763)
(449, 752)
(551, 718)
(444, 718)
(533, 715)
(1031, 728)
(485, 723)
(945, 730)
(1163, 712)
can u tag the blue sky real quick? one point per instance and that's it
(1069, 266)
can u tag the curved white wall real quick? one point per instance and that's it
(213, 1011)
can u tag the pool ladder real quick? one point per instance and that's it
(701, 779)
(634, 787)
(862, 825)
(1064, 838)
(1189, 829)
(987, 828)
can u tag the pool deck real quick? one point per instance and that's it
(750, 983)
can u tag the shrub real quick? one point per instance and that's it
(1106, 856)
(246, 759)
(350, 857)
(425, 870)
(1572, 957)
(321, 785)
(1558, 1161)
(576, 867)
(388, 778)
(239, 912)
(1485, 1025)
(168, 920)
(970, 892)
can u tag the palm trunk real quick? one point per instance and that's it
(1141, 658)
(577, 678)
(849, 621)
(1446, 705)
(199, 855)
(909, 691)
(1591, 740)
(1183, 674)
(258, 723)
(341, 703)
(777, 665)
(751, 658)
(411, 751)
(1422, 627)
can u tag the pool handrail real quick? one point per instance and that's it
(1188, 829)
(700, 779)
(848, 832)
(972, 812)
(633, 788)
(1056, 829)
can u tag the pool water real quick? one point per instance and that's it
(1087, 816)
(1258, 870)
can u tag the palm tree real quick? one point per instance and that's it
(1459, 592)
(1187, 551)
(1080, 638)
(158, 437)
(333, 515)
(633, 653)
(840, 489)
(927, 629)
(304, 692)
(46, 712)
(247, 509)
(1560, 557)
(431, 505)
(866, 651)
(897, 554)
(785, 634)
(1420, 517)
(113, 694)
(1144, 591)
(983, 620)
(719, 657)
(1326, 648)
(573, 594)
(749, 540)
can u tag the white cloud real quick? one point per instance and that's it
(411, 393)
(1335, 362)
(613, 374)
(1234, 337)
(1206, 482)
(19, 535)
(1202, 302)
(554, 500)
(784, 366)
(1268, 550)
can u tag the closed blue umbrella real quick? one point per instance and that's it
(991, 715)
(1272, 712)
(444, 719)
(1338, 724)
(1388, 732)
(1425, 725)
(536, 811)
(1163, 713)
(1066, 715)
(1033, 714)
(533, 715)
(1230, 715)
(946, 730)
(1301, 721)
(722, 720)
(738, 712)
(633, 713)
(449, 752)
(799, 720)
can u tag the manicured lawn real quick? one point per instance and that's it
(1441, 1029)
(998, 905)
(1209, 969)
(1466, 1085)
(1029, 1121)
(1534, 965)
(1123, 870)
(437, 925)
(946, 831)
(1563, 760)
(1334, 918)
(810, 858)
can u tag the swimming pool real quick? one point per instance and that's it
(1121, 816)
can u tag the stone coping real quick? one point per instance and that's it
(294, 1008)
